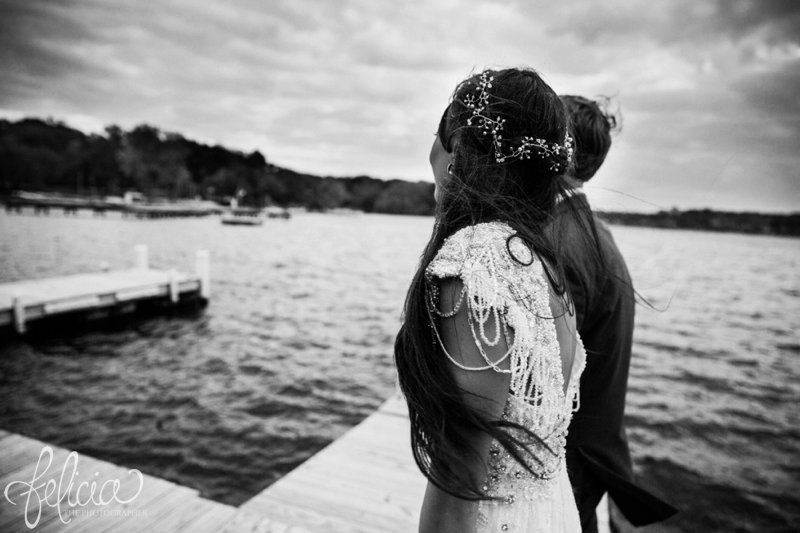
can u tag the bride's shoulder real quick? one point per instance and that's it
(483, 234)
(484, 245)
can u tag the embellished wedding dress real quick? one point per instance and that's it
(514, 294)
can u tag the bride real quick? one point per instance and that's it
(488, 356)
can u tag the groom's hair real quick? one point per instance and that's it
(591, 125)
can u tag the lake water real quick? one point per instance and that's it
(295, 347)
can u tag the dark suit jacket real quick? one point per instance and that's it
(598, 458)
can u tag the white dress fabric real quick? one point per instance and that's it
(515, 294)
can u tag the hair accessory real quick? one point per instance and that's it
(558, 154)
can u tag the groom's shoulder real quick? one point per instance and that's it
(603, 229)
(582, 227)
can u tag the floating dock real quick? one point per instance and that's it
(365, 481)
(100, 293)
(42, 203)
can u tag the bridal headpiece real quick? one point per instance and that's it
(557, 154)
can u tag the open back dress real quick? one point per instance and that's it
(505, 284)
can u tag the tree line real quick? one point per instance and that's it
(709, 220)
(47, 155)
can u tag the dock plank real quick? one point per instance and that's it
(116, 517)
(246, 522)
(155, 512)
(157, 503)
(15, 487)
(213, 518)
(91, 518)
(181, 515)
(83, 292)
(315, 520)
(16, 454)
(364, 481)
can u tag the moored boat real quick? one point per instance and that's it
(243, 217)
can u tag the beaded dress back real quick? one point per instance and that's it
(505, 284)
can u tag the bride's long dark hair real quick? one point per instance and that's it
(522, 193)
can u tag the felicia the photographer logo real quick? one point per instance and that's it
(63, 494)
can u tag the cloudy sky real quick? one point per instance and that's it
(708, 90)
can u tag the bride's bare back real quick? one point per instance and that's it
(514, 352)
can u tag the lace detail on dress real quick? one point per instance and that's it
(513, 293)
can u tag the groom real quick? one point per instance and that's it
(598, 459)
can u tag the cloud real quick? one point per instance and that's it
(345, 87)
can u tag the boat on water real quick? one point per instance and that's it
(242, 216)
(277, 212)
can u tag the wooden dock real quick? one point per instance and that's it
(160, 506)
(365, 481)
(100, 293)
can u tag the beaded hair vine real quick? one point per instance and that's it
(557, 154)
